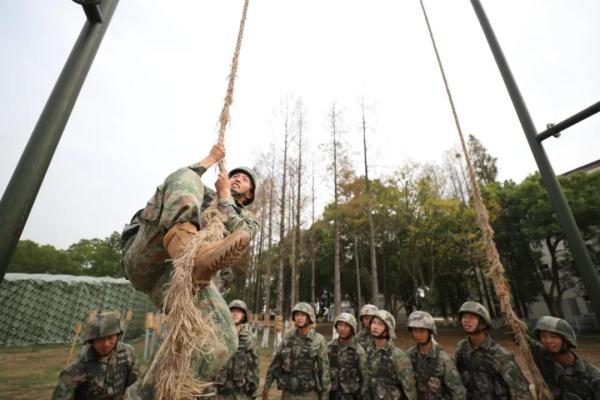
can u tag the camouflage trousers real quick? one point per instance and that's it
(146, 262)
(209, 302)
(234, 396)
(312, 395)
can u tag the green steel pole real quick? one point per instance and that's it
(23, 187)
(583, 261)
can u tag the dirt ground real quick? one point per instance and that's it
(31, 372)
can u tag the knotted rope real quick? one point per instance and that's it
(191, 336)
(496, 272)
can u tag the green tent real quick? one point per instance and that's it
(43, 308)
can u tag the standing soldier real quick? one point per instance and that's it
(105, 367)
(389, 370)
(567, 375)
(347, 360)
(238, 380)
(364, 336)
(488, 370)
(435, 372)
(301, 364)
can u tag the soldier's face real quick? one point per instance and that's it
(105, 345)
(300, 319)
(237, 315)
(470, 322)
(551, 341)
(366, 320)
(240, 182)
(420, 335)
(344, 330)
(377, 327)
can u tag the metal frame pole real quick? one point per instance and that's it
(23, 187)
(559, 202)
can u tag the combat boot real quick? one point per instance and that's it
(210, 257)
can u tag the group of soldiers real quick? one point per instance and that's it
(357, 364)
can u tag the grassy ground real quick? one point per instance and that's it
(31, 372)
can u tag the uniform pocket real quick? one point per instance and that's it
(151, 213)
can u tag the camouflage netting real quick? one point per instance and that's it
(43, 309)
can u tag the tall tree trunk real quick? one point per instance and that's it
(293, 251)
(282, 252)
(297, 236)
(265, 340)
(358, 291)
(337, 292)
(372, 252)
(313, 248)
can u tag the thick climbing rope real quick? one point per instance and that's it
(190, 334)
(496, 272)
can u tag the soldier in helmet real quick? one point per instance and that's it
(238, 380)
(488, 370)
(301, 364)
(105, 367)
(435, 372)
(160, 232)
(347, 361)
(364, 336)
(568, 376)
(389, 370)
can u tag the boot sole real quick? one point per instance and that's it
(231, 255)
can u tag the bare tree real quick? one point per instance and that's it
(337, 293)
(313, 247)
(282, 250)
(271, 183)
(374, 279)
(299, 172)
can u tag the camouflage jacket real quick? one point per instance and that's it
(91, 377)
(579, 381)
(389, 374)
(436, 374)
(348, 369)
(301, 364)
(240, 375)
(364, 338)
(490, 372)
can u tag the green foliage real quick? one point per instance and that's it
(95, 257)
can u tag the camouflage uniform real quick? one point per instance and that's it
(435, 372)
(210, 301)
(348, 365)
(301, 364)
(92, 376)
(181, 198)
(489, 372)
(364, 336)
(389, 370)
(579, 381)
(239, 379)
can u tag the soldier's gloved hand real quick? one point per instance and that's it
(265, 393)
(501, 290)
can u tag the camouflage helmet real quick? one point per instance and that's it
(389, 321)
(103, 325)
(555, 325)
(347, 318)
(251, 174)
(473, 307)
(239, 304)
(306, 309)
(421, 319)
(367, 310)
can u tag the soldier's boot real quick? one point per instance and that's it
(210, 257)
